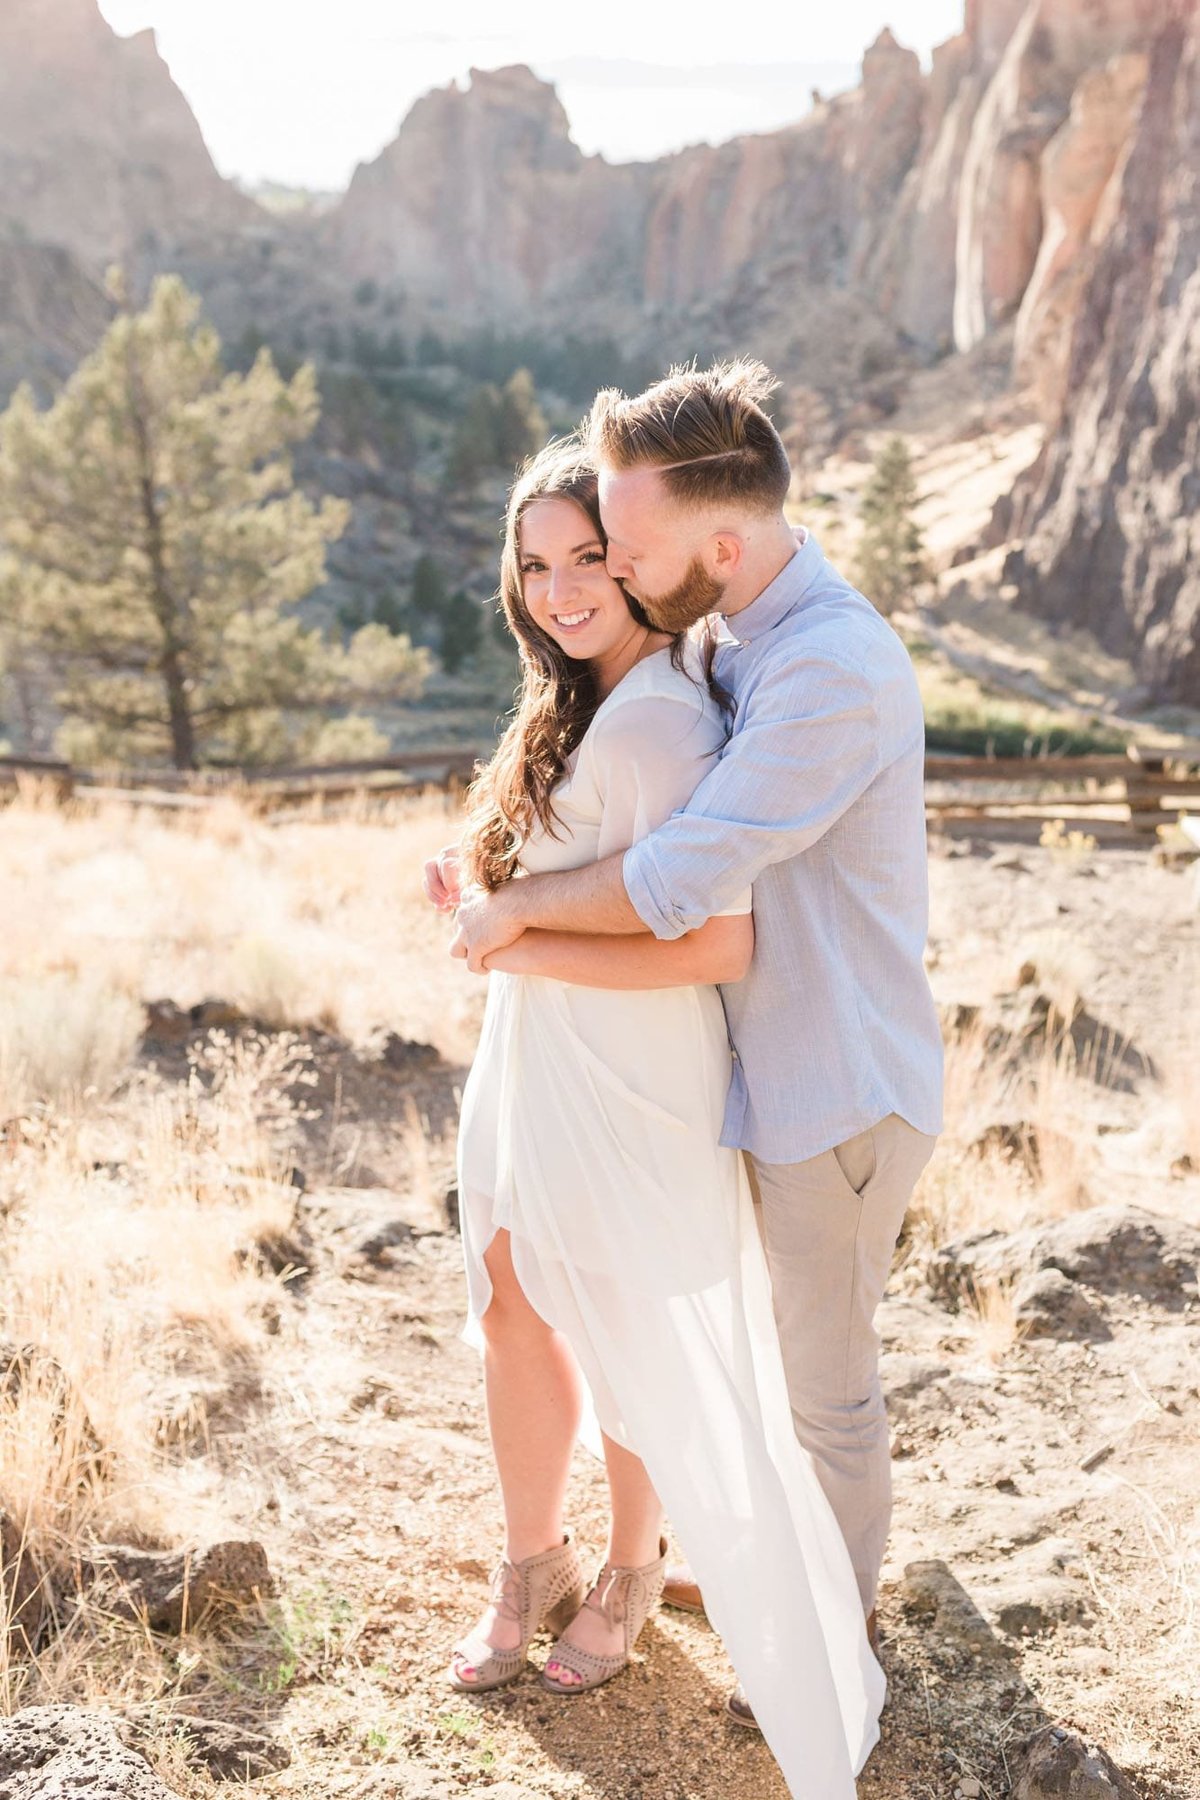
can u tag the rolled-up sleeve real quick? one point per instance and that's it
(806, 747)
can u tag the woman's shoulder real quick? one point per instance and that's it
(664, 675)
(662, 699)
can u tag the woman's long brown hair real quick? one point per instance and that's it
(558, 697)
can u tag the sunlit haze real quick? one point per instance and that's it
(299, 92)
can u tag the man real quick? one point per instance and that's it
(818, 801)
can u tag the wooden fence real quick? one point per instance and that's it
(1116, 798)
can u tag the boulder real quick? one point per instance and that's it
(1049, 1304)
(169, 1590)
(1055, 1764)
(49, 1752)
(1118, 1250)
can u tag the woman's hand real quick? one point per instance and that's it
(442, 881)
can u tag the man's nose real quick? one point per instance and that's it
(618, 564)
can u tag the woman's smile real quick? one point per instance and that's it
(574, 621)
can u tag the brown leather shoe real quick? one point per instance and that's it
(737, 1707)
(680, 1589)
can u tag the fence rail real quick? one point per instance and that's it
(1127, 797)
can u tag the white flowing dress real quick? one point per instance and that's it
(590, 1126)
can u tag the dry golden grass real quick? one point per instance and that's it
(317, 923)
(131, 1204)
(138, 1284)
(991, 1317)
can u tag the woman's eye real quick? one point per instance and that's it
(532, 568)
(593, 556)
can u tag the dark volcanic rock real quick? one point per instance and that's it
(1057, 1765)
(50, 1752)
(169, 1589)
(1049, 1304)
(1113, 1249)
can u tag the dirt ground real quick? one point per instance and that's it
(1045, 1559)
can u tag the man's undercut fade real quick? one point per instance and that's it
(705, 430)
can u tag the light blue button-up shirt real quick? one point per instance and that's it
(818, 801)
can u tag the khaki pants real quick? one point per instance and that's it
(830, 1227)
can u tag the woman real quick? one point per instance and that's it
(606, 1233)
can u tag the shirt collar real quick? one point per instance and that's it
(778, 598)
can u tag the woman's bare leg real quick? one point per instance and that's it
(534, 1399)
(634, 1540)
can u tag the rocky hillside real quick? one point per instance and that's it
(1111, 510)
(946, 202)
(99, 151)
(1032, 187)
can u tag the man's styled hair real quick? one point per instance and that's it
(705, 429)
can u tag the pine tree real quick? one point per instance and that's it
(462, 631)
(520, 422)
(498, 430)
(429, 594)
(475, 447)
(161, 546)
(892, 564)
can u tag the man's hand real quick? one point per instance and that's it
(443, 882)
(486, 923)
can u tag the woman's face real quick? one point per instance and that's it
(566, 585)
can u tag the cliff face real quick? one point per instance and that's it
(99, 151)
(935, 205)
(1111, 512)
(1040, 178)
(483, 211)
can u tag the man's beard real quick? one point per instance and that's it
(697, 595)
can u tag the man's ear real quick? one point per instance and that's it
(725, 553)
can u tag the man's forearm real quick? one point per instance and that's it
(589, 899)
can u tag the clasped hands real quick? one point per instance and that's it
(485, 924)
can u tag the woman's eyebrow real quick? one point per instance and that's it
(592, 543)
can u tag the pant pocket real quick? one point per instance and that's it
(857, 1160)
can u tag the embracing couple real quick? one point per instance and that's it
(710, 1068)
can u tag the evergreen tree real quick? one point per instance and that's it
(429, 594)
(498, 430)
(430, 349)
(475, 447)
(520, 422)
(161, 544)
(892, 564)
(462, 631)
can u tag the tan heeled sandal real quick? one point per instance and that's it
(622, 1597)
(541, 1591)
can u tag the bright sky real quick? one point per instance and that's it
(299, 91)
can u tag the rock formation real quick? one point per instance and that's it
(1111, 511)
(50, 1751)
(99, 151)
(1036, 182)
